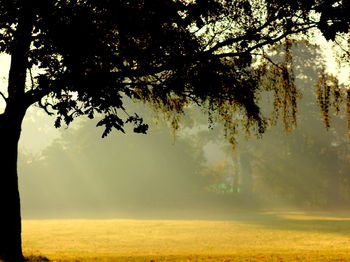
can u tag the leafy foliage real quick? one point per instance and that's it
(91, 54)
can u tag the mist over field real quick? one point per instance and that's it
(192, 173)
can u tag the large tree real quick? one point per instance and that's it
(81, 57)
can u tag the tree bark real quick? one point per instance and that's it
(10, 130)
(10, 215)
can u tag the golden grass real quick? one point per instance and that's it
(266, 237)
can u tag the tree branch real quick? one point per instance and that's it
(264, 43)
(4, 97)
(237, 39)
(342, 48)
(45, 107)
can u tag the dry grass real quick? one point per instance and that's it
(265, 237)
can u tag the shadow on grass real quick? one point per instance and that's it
(337, 222)
(34, 258)
(320, 222)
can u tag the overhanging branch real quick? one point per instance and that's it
(265, 43)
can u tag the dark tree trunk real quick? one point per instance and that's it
(10, 130)
(10, 215)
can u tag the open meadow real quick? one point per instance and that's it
(278, 237)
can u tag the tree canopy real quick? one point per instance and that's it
(84, 56)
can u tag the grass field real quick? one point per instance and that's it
(253, 237)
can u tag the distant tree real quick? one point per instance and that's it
(89, 54)
(103, 174)
(307, 168)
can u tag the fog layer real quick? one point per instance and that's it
(195, 173)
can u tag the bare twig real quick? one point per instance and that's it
(3, 96)
(45, 107)
(264, 43)
(342, 48)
